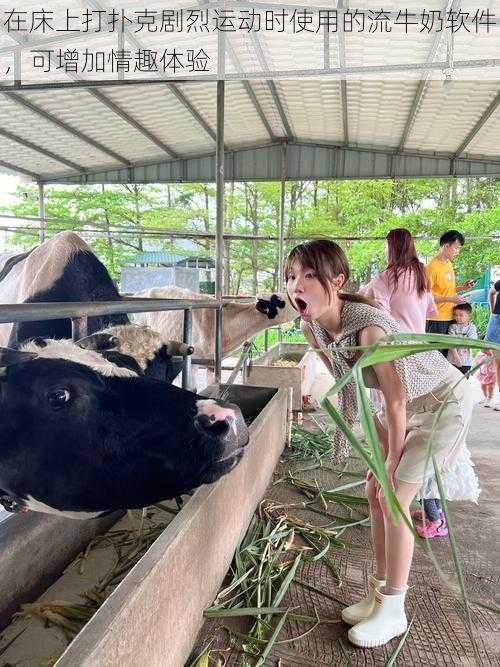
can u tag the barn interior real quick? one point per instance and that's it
(266, 115)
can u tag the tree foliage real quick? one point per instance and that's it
(121, 221)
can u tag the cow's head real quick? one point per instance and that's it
(73, 440)
(276, 307)
(146, 348)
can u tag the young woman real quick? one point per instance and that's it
(402, 290)
(414, 389)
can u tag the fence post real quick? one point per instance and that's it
(78, 327)
(187, 337)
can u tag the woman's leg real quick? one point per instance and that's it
(399, 540)
(377, 527)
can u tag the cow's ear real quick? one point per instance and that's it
(9, 357)
(98, 342)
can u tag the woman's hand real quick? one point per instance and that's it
(391, 463)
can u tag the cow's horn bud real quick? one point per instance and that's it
(98, 342)
(10, 357)
(177, 349)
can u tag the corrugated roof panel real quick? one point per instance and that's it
(158, 257)
(268, 106)
(448, 113)
(242, 123)
(30, 126)
(314, 109)
(377, 111)
(488, 137)
(81, 110)
(163, 115)
(26, 158)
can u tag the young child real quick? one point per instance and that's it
(433, 522)
(459, 483)
(462, 326)
(487, 376)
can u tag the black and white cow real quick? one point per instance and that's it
(128, 350)
(64, 268)
(78, 441)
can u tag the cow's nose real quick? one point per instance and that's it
(225, 422)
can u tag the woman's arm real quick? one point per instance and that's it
(311, 339)
(395, 400)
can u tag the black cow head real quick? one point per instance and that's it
(271, 306)
(73, 440)
(139, 347)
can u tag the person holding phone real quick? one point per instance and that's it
(443, 285)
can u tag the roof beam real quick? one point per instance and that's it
(305, 161)
(20, 170)
(419, 93)
(19, 99)
(272, 87)
(115, 108)
(43, 151)
(343, 82)
(492, 107)
(175, 90)
(481, 64)
(251, 92)
(248, 87)
(173, 87)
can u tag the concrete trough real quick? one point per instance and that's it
(300, 377)
(35, 549)
(154, 615)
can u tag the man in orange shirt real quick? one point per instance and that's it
(442, 283)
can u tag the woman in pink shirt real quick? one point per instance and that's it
(402, 289)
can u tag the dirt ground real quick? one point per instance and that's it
(439, 634)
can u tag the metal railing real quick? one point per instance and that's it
(79, 311)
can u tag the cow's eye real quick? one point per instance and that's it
(58, 398)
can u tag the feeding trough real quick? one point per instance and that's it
(155, 613)
(285, 365)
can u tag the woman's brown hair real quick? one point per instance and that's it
(327, 260)
(403, 261)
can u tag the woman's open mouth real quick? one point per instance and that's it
(301, 305)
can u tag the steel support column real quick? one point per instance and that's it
(41, 211)
(187, 337)
(281, 245)
(219, 229)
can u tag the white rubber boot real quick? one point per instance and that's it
(363, 609)
(388, 620)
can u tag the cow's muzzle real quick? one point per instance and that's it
(224, 422)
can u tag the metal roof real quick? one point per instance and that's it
(158, 257)
(345, 105)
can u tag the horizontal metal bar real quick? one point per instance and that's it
(160, 233)
(29, 312)
(340, 72)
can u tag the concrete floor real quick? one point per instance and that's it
(439, 634)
